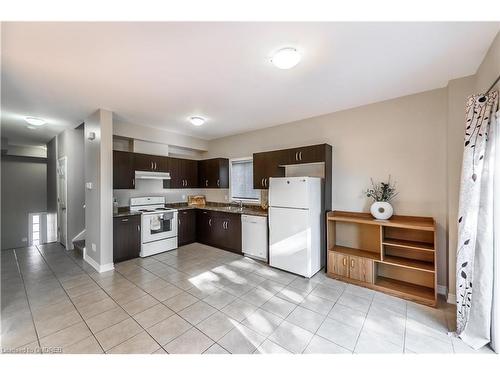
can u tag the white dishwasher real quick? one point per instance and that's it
(254, 241)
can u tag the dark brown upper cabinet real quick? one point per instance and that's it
(265, 165)
(213, 173)
(271, 163)
(150, 163)
(123, 170)
(183, 173)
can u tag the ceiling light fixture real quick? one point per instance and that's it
(286, 58)
(34, 121)
(30, 127)
(197, 120)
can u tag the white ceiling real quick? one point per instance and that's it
(158, 74)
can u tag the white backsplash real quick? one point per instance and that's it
(153, 188)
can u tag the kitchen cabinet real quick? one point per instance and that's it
(123, 170)
(213, 173)
(351, 266)
(266, 165)
(183, 173)
(126, 237)
(150, 163)
(271, 163)
(186, 229)
(219, 229)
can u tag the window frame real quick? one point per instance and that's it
(231, 198)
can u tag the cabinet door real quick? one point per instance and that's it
(191, 173)
(203, 224)
(361, 269)
(123, 170)
(260, 161)
(126, 238)
(174, 168)
(187, 227)
(134, 236)
(232, 232)
(143, 162)
(340, 264)
(222, 180)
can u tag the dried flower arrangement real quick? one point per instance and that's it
(382, 191)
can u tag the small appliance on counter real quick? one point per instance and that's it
(158, 225)
(196, 200)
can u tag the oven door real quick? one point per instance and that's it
(157, 226)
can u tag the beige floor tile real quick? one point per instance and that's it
(320, 345)
(142, 343)
(269, 347)
(216, 349)
(217, 325)
(191, 342)
(153, 315)
(307, 319)
(140, 304)
(180, 301)
(93, 309)
(241, 340)
(347, 315)
(66, 337)
(219, 299)
(169, 329)
(339, 333)
(374, 343)
(88, 345)
(291, 337)
(279, 306)
(317, 304)
(118, 333)
(355, 302)
(106, 319)
(239, 310)
(262, 322)
(197, 312)
(57, 322)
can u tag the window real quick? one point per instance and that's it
(241, 174)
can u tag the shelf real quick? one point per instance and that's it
(408, 244)
(406, 289)
(409, 222)
(356, 252)
(408, 263)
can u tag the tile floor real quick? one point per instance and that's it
(199, 299)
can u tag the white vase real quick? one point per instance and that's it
(381, 210)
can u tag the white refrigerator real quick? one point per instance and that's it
(295, 224)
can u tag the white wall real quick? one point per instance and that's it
(404, 137)
(145, 133)
(98, 200)
(70, 144)
(24, 190)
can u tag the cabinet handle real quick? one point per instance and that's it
(138, 228)
(344, 261)
(352, 263)
(265, 181)
(133, 182)
(296, 156)
(179, 221)
(262, 182)
(206, 182)
(300, 155)
(210, 222)
(218, 183)
(151, 165)
(124, 220)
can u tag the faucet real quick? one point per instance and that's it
(240, 202)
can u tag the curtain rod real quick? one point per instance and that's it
(493, 85)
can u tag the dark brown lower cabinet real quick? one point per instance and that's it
(186, 230)
(219, 229)
(126, 237)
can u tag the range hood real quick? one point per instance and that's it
(144, 175)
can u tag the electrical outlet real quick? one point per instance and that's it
(183, 197)
(94, 247)
(225, 197)
(24, 239)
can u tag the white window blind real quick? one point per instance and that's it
(242, 180)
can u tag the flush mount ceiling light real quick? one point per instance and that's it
(286, 58)
(197, 120)
(34, 121)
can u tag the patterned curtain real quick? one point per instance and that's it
(475, 224)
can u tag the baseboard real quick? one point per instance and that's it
(99, 268)
(442, 290)
(452, 299)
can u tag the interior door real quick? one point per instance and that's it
(289, 240)
(62, 192)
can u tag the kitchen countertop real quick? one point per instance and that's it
(125, 212)
(257, 211)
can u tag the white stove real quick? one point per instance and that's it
(158, 225)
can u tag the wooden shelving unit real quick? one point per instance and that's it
(396, 256)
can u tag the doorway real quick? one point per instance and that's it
(62, 197)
